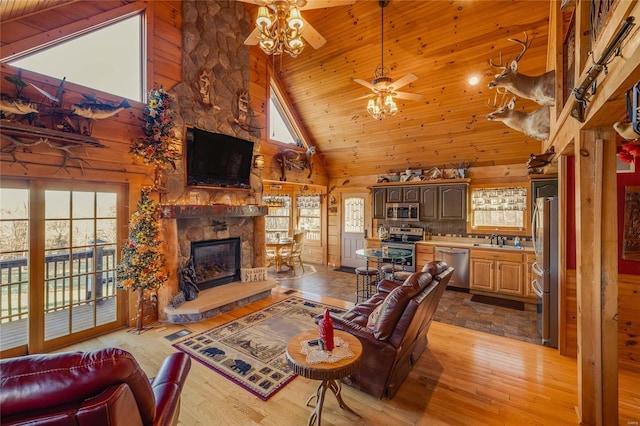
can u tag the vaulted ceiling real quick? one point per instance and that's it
(442, 42)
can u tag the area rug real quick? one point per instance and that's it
(251, 351)
(288, 274)
(347, 269)
(496, 301)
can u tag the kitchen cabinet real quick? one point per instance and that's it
(379, 197)
(452, 203)
(498, 272)
(373, 243)
(403, 194)
(424, 255)
(529, 276)
(428, 202)
(394, 194)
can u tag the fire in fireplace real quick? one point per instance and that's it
(216, 262)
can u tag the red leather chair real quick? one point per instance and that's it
(103, 387)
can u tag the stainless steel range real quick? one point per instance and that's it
(404, 237)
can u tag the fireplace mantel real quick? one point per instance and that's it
(180, 211)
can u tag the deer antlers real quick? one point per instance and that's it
(525, 45)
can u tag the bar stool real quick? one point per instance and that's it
(389, 271)
(365, 278)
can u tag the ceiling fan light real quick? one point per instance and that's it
(295, 19)
(263, 19)
(388, 101)
(267, 44)
(372, 108)
(296, 44)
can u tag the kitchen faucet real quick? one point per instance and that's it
(492, 237)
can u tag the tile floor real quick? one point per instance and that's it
(455, 307)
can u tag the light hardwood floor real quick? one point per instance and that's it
(465, 377)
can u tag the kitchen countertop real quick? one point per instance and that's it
(463, 242)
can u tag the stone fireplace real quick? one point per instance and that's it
(215, 54)
(185, 227)
(216, 262)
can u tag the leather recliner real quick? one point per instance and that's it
(103, 387)
(393, 342)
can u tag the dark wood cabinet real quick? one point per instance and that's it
(394, 194)
(428, 202)
(403, 194)
(411, 194)
(452, 202)
(437, 202)
(379, 200)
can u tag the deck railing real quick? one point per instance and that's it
(68, 279)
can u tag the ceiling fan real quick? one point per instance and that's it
(385, 88)
(281, 28)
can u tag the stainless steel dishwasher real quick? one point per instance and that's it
(458, 259)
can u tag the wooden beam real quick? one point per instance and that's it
(596, 278)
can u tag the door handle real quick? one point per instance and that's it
(535, 287)
(537, 269)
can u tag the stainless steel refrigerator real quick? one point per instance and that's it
(545, 269)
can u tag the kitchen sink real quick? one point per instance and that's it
(495, 246)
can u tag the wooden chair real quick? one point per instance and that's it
(272, 258)
(289, 257)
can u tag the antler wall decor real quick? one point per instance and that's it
(539, 88)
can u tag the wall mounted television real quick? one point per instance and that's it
(217, 160)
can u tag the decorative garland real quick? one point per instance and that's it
(157, 147)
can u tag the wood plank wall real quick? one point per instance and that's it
(113, 163)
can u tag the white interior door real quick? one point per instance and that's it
(355, 216)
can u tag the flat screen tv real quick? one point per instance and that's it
(214, 159)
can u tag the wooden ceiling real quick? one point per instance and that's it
(442, 42)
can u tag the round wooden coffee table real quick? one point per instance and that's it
(329, 372)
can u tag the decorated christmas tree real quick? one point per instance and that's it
(142, 264)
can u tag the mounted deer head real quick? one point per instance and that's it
(534, 124)
(539, 89)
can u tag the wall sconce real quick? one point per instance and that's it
(258, 161)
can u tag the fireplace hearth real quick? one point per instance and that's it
(216, 262)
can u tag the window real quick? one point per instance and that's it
(354, 215)
(109, 59)
(498, 207)
(279, 216)
(282, 126)
(309, 216)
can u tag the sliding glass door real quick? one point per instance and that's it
(58, 254)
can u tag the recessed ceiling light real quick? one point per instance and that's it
(473, 80)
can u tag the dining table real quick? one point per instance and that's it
(277, 246)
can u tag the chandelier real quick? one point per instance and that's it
(281, 32)
(382, 104)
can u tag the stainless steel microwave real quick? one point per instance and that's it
(402, 211)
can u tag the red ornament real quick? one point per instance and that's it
(325, 329)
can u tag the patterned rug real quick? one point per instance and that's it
(251, 351)
(289, 274)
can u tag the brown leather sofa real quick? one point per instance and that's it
(393, 342)
(104, 387)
